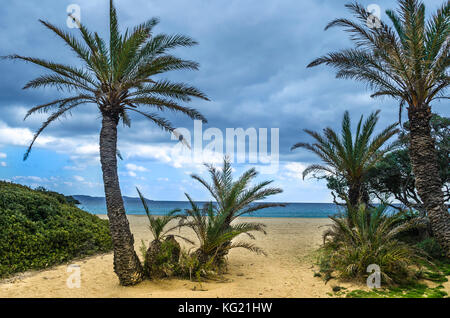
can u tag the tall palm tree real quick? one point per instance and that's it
(408, 62)
(118, 79)
(236, 197)
(349, 157)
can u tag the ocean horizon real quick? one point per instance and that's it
(133, 206)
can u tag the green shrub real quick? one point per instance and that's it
(38, 230)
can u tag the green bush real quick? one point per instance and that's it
(39, 229)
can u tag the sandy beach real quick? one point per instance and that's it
(287, 271)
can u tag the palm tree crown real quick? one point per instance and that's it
(408, 62)
(233, 198)
(117, 77)
(237, 197)
(347, 156)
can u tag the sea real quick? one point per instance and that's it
(133, 206)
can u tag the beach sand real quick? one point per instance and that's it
(287, 271)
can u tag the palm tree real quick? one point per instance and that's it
(117, 78)
(349, 157)
(236, 197)
(408, 62)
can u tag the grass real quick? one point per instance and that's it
(418, 290)
(414, 289)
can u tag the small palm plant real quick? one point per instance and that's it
(215, 235)
(233, 199)
(164, 251)
(350, 157)
(368, 236)
(237, 197)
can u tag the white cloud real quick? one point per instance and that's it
(78, 178)
(21, 136)
(133, 167)
(31, 178)
(89, 149)
(3, 164)
(3, 155)
(294, 170)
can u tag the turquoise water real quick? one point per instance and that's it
(134, 206)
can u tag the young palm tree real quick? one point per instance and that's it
(370, 237)
(350, 157)
(118, 79)
(235, 198)
(215, 236)
(408, 62)
(159, 226)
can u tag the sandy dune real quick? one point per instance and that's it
(287, 271)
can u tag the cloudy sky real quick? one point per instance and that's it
(253, 56)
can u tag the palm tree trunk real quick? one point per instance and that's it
(126, 263)
(354, 195)
(425, 167)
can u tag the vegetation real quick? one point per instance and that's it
(117, 78)
(435, 273)
(214, 225)
(40, 229)
(163, 253)
(216, 237)
(58, 196)
(412, 290)
(393, 178)
(366, 236)
(408, 62)
(232, 199)
(349, 158)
